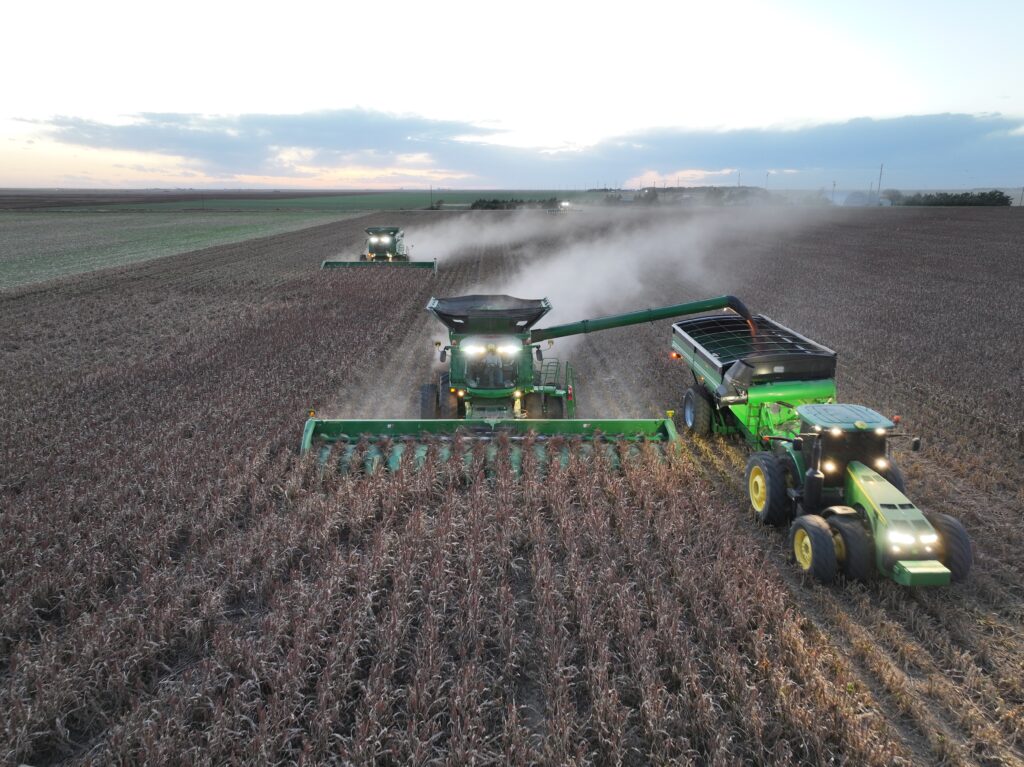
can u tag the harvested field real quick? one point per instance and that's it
(177, 585)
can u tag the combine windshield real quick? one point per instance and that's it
(492, 363)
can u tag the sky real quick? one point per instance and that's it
(789, 94)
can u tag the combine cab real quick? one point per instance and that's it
(385, 245)
(500, 402)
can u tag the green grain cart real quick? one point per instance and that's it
(498, 392)
(385, 246)
(820, 467)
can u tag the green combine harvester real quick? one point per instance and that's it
(385, 246)
(820, 467)
(499, 395)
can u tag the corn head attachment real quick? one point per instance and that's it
(481, 447)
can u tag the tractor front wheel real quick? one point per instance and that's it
(854, 549)
(812, 547)
(428, 401)
(766, 484)
(895, 477)
(697, 411)
(956, 545)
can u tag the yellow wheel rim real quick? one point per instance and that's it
(758, 489)
(802, 549)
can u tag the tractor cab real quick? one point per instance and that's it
(845, 433)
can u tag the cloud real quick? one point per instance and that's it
(349, 144)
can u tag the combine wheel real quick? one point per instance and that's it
(854, 548)
(428, 401)
(766, 485)
(697, 411)
(895, 477)
(956, 545)
(555, 407)
(447, 402)
(812, 547)
(533, 405)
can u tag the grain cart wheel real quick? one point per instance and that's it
(895, 477)
(555, 407)
(428, 401)
(767, 488)
(955, 545)
(697, 411)
(854, 549)
(812, 547)
(447, 402)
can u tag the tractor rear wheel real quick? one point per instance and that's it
(956, 545)
(555, 407)
(766, 485)
(697, 411)
(895, 477)
(854, 549)
(447, 402)
(428, 401)
(812, 548)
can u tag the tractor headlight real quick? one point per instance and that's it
(881, 464)
(374, 240)
(829, 466)
(880, 431)
(901, 538)
(385, 239)
(473, 350)
(835, 431)
(928, 538)
(509, 349)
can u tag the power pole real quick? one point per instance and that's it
(880, 183)
(1021, 196)
(833, 192)
(431, 195)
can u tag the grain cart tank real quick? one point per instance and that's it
(384, 246)
(499, 397)
(819, 467)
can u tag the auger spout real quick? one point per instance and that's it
(646, 315)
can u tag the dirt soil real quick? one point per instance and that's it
(178, 585)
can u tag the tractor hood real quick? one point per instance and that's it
(488, 313)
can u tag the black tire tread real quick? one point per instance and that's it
(956, 545)
(776, 510)
(701, 410)
(859, 563)
(823, 550)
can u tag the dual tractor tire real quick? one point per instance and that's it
(823, 548)
(766, 486)
(956, 545)
(697, 411)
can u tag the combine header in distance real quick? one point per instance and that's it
(385, 246)
(821, 468)
(499, 390)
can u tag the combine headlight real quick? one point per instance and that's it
(829, 466)
(374, 240)
(881, 432)
(928, 538)
(509, 349)
(881, 464)
(517, 394)
(461, 393)
(835, 431)
(474, 350)
(901, 538)
(385, 239)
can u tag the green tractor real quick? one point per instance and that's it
(385, 245)
(821, 468)
(498, 389)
